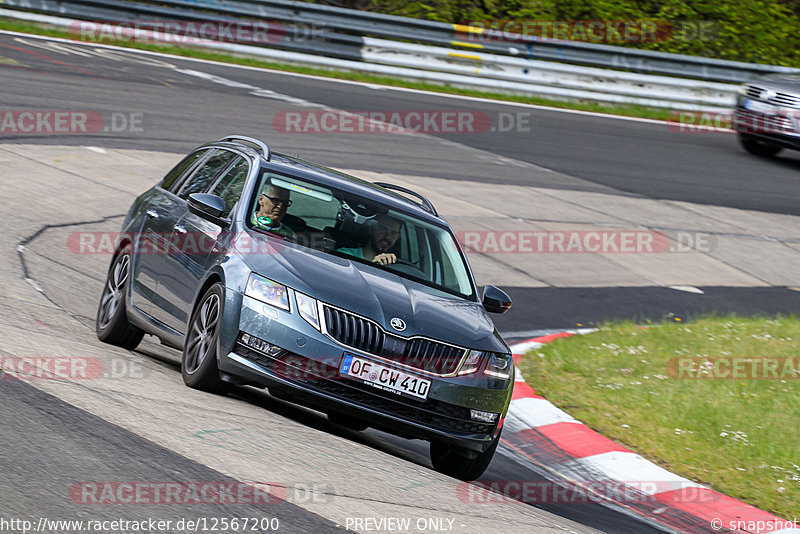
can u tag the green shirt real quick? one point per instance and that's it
(281, 229)
(358, 252)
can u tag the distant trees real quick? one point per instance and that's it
(761, 31)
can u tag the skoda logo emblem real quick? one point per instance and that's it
(769, 94)
(398, 324)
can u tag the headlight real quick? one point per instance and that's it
(500, 366)
(267, 291)
(743, 90)
(307, 308)
(471, 363)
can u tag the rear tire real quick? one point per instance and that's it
(199, 359)
(111, 323)
(758, 147)
(453, 461)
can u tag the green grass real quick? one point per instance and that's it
(626, 110)
(737, 435)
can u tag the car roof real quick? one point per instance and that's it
(322, 175)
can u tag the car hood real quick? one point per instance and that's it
(785, 82)
(377, 294)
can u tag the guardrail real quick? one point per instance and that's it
(364, 23)
(517, 67)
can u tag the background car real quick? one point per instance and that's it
(406, 346)
(767, 114)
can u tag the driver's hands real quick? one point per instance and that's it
(385, 258)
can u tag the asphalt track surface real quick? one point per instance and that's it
(589, 153)
(601, 154)
(181, 111)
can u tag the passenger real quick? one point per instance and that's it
(272, 205)
(383, 236)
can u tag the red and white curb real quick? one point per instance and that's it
(570, 451)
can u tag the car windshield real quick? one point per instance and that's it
(352, 227)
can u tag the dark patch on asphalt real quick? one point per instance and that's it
(564, 308)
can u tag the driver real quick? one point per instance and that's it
(383, 236)
(272, 204)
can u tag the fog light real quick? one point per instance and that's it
(483, 417)
(262, 346)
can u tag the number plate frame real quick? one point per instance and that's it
(384, 377)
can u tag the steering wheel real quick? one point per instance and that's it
(408, 268)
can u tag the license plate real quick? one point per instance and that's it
(383, 377)
(759, 107)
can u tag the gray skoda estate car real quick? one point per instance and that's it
(350, 297)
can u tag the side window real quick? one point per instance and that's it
(204, 176)
(230, 186)
(172, 178)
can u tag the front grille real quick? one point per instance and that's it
(420, 353)
(787, 100)
(354, 331)
(754, 91)
(318, 376)
(417, 353)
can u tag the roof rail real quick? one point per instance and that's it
(262, 146)
(426, 204)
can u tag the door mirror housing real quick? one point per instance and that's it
(495, 300)
(209, 207)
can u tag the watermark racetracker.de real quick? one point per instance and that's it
(472, 241)
(259, 32)
(576, 492)
(68, 368)
(66, 122)
(146, 492)
(429, 121)
(590, 31)
(584, 241)
(777, 121)
(734, 367)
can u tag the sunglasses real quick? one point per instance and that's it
(276, 200)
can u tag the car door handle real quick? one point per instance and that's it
(152, 214)
(180, 229)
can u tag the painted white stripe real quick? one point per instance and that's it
(688, 289)
(619, 466)
(525, 346)
(522, 348)
(518, 375)
(529, 413)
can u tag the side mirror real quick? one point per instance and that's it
(495, 300)
(209, 207)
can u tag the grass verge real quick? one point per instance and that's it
(625, 110)
(731, 431)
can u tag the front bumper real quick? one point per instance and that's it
(780, 128)
(308, 373)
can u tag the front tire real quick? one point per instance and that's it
(199, 359)
(758, 147)
(111, 323)
(454, 461)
